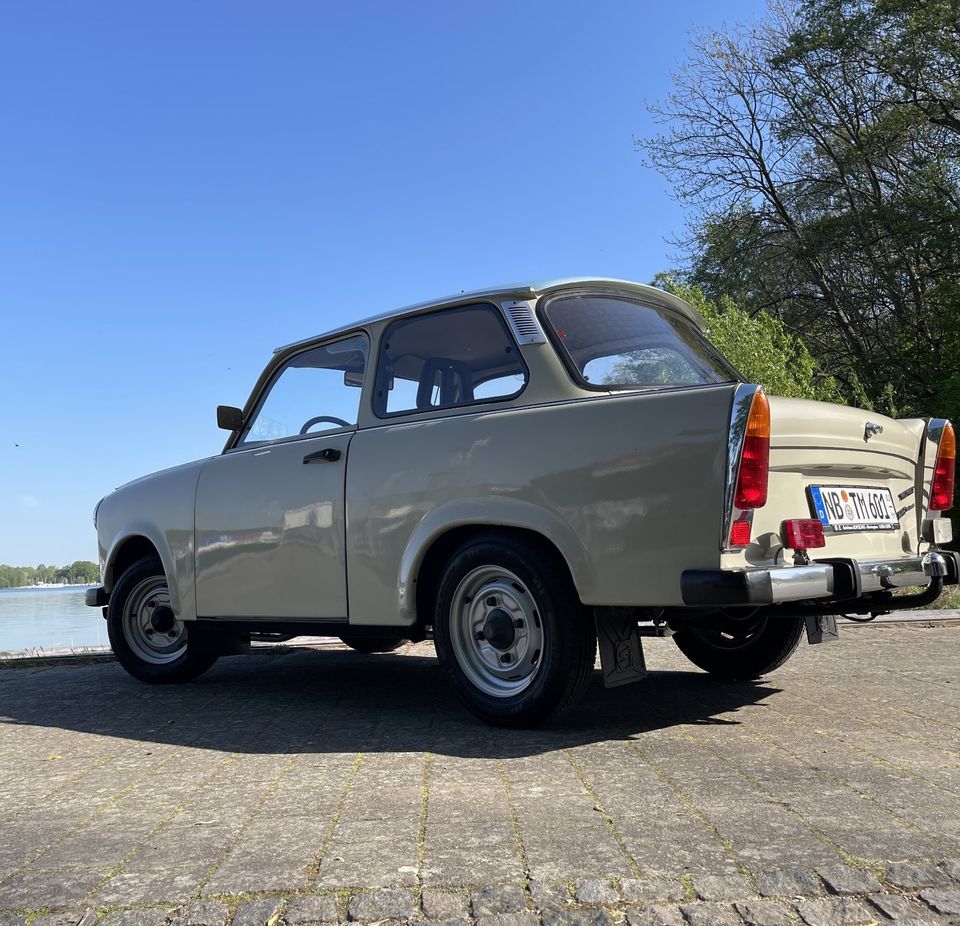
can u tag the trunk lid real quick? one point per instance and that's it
(830, 447)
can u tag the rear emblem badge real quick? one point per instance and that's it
(871, 429)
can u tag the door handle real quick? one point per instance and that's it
(327, 455)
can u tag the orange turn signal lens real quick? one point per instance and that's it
(944, 471)
(751, 491)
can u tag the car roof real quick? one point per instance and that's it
(652, 294)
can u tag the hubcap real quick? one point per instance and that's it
(496, 631)
(150, 627)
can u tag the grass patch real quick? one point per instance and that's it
(948, 600)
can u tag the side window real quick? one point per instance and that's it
(315, 391)
(447, 359)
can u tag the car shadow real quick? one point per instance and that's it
(337, 701)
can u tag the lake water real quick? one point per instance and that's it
(49, 618)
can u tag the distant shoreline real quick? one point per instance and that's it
(45, 588)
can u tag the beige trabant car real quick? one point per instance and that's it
(517, 473)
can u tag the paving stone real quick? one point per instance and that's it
(788, 882)
(462, 921)
(723, 887)
(523, 918)
(381, 905)
(257, 912)
(153, 917)
(549, 895)
(37, 889)
(142, 887)
(896, 906)
(652, 890)
(67, 918)
(581, 917)
(710, 914)
(12, 919)
(843, 879)
(86, 715)
(913, 921)
(498, 898)
(656, 915)
(311, 908)
(444, 905)
(945, 902)
(763, 913)
(596, 891)
(835, 911)
(914, 877)
(201, 913)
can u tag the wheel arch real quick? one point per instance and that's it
(427, 554)
(135, 546)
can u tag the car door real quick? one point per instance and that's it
(270, 534)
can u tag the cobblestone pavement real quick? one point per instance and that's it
(315, 786)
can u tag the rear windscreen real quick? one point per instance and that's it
(613, 342)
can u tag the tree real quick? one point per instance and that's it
(81, 572)
(825, 193)
(819, 152)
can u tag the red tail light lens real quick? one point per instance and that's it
(941, 492)
(751, 491)
(802, 534)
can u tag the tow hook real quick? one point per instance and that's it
(934, 564)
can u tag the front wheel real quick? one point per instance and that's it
(145, 635)
(740, 648)
(510, 632)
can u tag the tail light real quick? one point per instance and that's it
(802, 534)
(941, 491)
(751, 491)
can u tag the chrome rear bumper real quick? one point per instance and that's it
(843, 579)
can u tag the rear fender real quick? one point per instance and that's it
(490, 512)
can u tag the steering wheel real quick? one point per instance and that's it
(320, 418)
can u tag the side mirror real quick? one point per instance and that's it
(229, 418)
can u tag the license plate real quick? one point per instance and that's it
(854, 508)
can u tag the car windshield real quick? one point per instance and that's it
(612, 342)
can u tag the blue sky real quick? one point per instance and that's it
(186, 185)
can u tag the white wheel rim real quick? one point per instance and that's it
(497, 631)
(150, 640)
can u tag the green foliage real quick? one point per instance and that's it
(759, 346)
(81, 572)
(819, 153)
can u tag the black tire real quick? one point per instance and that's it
(368, 645)
(739, 649)
(176, 666)
(564, 628)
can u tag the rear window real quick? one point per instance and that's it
(612, 342)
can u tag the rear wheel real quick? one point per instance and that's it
(737, 648)
(372, 644)
(510, 632)
(145, 634)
